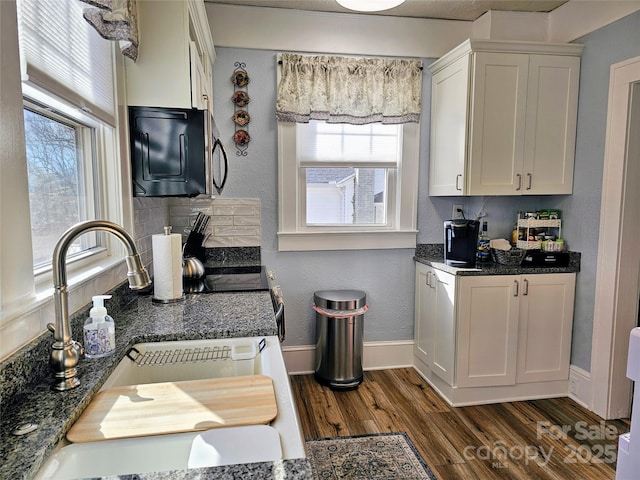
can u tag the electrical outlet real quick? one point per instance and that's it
(455, 214)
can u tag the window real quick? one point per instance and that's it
(69, 120)
(60, 169)
(345, 181)
(67, 100)
(345, 186)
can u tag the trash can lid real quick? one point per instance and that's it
(340, 299)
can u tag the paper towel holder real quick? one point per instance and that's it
(167, 231)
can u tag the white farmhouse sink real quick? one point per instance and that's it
(222, 446)
(211, 448)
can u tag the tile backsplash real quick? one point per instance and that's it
(150, 216)
(235, 222)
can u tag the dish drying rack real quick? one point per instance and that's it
(528, 223)
(234, 352)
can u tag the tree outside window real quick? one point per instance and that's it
(56, 181)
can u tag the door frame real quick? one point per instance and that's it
(617, 278)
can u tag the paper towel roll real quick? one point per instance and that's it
(167, 267)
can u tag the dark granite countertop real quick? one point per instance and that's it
(219, 315)
(433, 255)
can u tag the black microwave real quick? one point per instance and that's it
(172, 151)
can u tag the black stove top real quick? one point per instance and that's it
(229, 279)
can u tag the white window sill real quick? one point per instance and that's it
(23, 323)
(307, 241)
(98, 275)
(75, 279)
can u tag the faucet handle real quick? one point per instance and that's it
(78, 347)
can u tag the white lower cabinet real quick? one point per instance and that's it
(494, 338)
(544, 331)
(487, 331)
(435, 329)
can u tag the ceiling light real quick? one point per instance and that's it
(369, 5)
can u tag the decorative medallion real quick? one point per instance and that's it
(240, 98)
(241, 117)
(241, 137)
(240, 78)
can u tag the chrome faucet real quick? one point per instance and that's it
(66, 352)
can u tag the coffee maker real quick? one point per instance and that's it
(460, 242)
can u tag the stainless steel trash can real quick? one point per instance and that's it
(339, 327)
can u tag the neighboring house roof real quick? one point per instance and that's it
(328, 175)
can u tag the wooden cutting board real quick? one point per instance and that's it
(174, 407)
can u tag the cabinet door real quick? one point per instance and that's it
(199, 81)
(497, 124)
(443, 330)
(449, 108)
(552, 105)
(423, 314)
(487, 330)
(173, 66)
(546, 319)
(161, 75)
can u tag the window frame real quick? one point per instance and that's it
(295, 235)
(86, 132)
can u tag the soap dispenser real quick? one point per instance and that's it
(99, 330)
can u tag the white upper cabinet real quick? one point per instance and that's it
(175, 56)
(503, 119)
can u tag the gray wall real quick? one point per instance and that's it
(387, 275)
(602, 48)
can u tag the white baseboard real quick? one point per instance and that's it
(375, 356)
(580, 386)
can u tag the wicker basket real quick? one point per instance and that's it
(508, 257)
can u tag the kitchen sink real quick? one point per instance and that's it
(190, 360)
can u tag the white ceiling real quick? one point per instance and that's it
(468, 10)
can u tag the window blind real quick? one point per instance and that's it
(61, 53)
(320, 144)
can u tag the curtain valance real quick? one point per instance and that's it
(349, 90)
(115, 20)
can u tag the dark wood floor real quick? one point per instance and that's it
(518, 440)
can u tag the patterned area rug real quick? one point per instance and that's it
(384, 456)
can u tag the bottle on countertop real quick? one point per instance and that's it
(515, 233)
(99, 330)
(483, 254)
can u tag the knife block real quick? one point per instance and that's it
(194, 248)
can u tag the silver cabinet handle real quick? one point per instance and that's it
(529, 178)
(526, 287)
(458, 177)
(519, 177)
(517, 285)
(428, 279)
